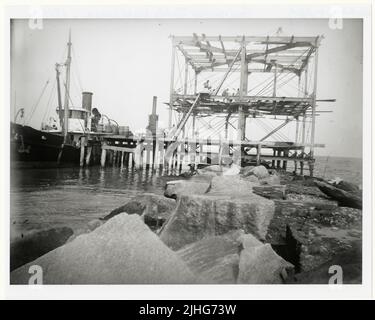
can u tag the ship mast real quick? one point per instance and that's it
(61, 117)
(67, 84)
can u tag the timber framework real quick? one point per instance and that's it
(222, 82)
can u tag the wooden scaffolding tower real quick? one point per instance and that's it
(281, 60)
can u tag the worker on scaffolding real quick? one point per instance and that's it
(206, 85)
(225, 94)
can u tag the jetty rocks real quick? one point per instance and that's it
(228, 205)
(121, 251)
(223, 225)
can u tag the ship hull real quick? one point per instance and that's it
(30, 145)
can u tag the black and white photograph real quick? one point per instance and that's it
(195, 151)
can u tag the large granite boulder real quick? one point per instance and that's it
(259, 264)
(260, 172)
(345, 185)
(350, 262)
(121, 251)
(312, 235)
(154, 208)
(236, 257)
(345, 198)
(272, 180)
(174, 189)
(229, 205)
(36, 244)
(232, 171)
(320, 239)
(231, 186)
(212, 170)
(215, 258)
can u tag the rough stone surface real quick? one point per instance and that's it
(245, 171)
(315, 236)
(154, 208)
(259, 171)
(261, 265)
(301, 210)
(176, 188)
(214, 170)
(248, 241)
(347, 186)
(34, 245)
(234, 186)
(345, 198)
(271, 180)
(318, 244)
(216, 213)
(93, 224)
(215, 259)
(350, 261)
(121, 251)
(232, 171)
(252, 179)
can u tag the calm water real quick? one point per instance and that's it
(46, 198)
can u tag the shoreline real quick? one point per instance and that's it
(289, 200)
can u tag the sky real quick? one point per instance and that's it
(126, 62)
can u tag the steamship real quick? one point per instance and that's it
(59, 142)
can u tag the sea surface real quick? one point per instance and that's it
(56, 197)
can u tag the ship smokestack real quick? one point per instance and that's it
(154, 102)
(87, 100)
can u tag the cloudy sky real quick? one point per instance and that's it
(126, 62)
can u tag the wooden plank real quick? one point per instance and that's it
(260, 39)
(114, 148)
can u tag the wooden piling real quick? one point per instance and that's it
(258, 154)
(103, 157)
(82, 155)
(88, 156)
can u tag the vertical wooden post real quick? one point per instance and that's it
(278, 161)
(226, 129)
(274, 80)
(131, 159)
(122, 158)
(195, 82)
(243, 92)
(193, 126)
(297, 129)
(172, 83)
(114, 158)
(186, 76)
(82, 155)
(103, 157)
(88, 156)
(285, 155)
(314, 101)
(259, 147)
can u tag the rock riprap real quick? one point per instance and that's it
(236, 257)
(229, 205)
(121, 251)
(154, 208)
(174, 189)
